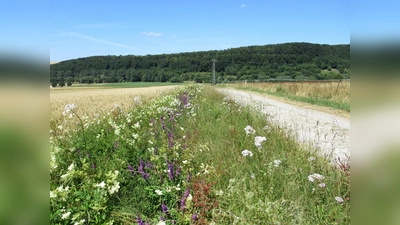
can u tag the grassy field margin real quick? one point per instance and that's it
(189, 157)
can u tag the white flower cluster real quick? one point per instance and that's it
(68, 108)
(137, 100)
(65, 215)
(318, 177)
(117, 129)
(112, 183)
(247, 153)
(258, 141)
(80, 222)
(277, 162)
(205, 169)
(339, 199)
(249, 130)
(53, 164)
(102, 184)
(315, 176)
(69, 173)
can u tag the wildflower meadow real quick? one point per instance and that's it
(191, 156)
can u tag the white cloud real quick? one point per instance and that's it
(152, 34)
(242, 6)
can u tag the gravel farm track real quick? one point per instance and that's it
(327, 133)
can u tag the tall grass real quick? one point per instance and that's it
(181, 159)
(333, 94)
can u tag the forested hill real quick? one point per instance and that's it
(278, 61)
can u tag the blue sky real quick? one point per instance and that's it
(105, 27)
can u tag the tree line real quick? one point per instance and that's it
(268, 62)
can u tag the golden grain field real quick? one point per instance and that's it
(91, 101)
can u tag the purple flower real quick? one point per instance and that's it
(139, 220)
(141, 167)
(131, 169)
(171, 171)
(142, 171)
(187, 192)
(178, 171)
(164, 208)
(93, 166)
(194, 217)
(185, 100)
(170, 137)
(189, 177)
(162, 218)
(162, 122)
(183, 200)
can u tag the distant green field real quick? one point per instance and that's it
(125, 85)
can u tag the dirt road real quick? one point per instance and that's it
(327, 133)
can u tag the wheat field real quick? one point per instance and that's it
(92, 102)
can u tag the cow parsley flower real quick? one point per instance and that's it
(80, 222)
(277, 162)
(339, 199)
(311, 159)
(322, 185)
(137, 99)
(102, 184)
(65, 215)
(158, 192)
(114, 188)
(68, 108)
(71, 167)
(315, 176)
(258, 141)
(247, 153)
(249, 130)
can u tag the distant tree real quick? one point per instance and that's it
(69, 81)
(288, 59)
(54, 83)
(175, 80)
(61, 83)
(161, 76)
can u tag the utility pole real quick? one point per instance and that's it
(213, 78)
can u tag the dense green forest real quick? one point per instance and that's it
(298, 61)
